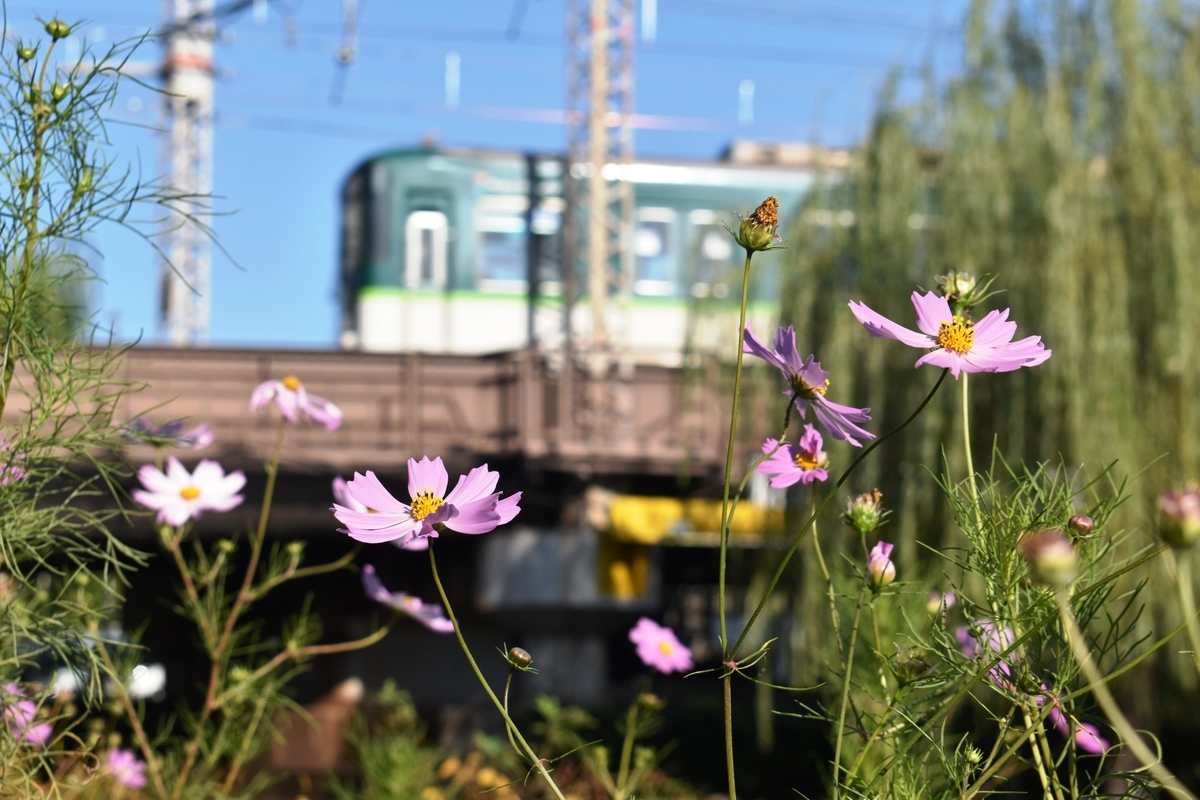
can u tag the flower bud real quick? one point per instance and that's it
(295, 549)
(938, 602)
(880, 569)
(1179, 520)
(1052, 557)
(26, 53)
(58, 29)
(972, 755)
(519, 657)
(1082, 524)
(956, 285)
(651, 701)
(911, 664)
(226, 546)
(757, 231)
(58, 91)
(865, 513)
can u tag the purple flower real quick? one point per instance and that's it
(11, 470)
(295, 402)
(169, 434)
(956, 343)
(179, 496)
(20, 717)
(809, 383)
(341, 496)
(125, 768)
(985, 640)
(804, 462)
(472, 507)
(880, 569)
(431, 616)
(659, 647)
(1087, 736)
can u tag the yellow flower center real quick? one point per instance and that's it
(665, 648)
(410, 602)
(189, 493)
(292, 383)
(424, 504)
(957, 335)
(806, 389)
(807, 461)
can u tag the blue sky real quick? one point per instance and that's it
(283, 146)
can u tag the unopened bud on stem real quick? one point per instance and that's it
(865, 513)
(1052, 557)
(519, 657)
(1082, 524)
(1179, 516)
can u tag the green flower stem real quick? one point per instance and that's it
(507, 729)
(846, 680)
(966, 423)
(725, 520)
(791, 551)
(1037, 755)
(876, 735)
(833, 612)
(219, 652)
(733, 420)
(623, 791)
(1187, 601)
(528, 751)
(135, 721)
(1109, 705)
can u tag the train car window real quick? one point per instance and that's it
(425, 262)
(502, 252)
(710, 252)
(653, 250)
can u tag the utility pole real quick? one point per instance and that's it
(187, 76)
(599, 230)
(600, 83)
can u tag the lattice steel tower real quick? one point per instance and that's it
(187, 75)
(600, 82)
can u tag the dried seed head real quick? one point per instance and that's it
(758, 231)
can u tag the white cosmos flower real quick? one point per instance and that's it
(178, 495)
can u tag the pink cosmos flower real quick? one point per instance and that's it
(125, 768)
(179, 496)
(295, 402)
(880, 569)
(804, 462)
(809, 383)
(474, 506)
(20, 716)
(956, 343)
(659, 647)
(11, 470)
(428, 614)
(341, 496)
(1087, 736)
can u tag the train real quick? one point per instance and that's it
(462, 251)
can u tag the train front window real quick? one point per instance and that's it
(425, 262)
(653, 250)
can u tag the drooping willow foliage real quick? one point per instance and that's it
(1064, 159)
